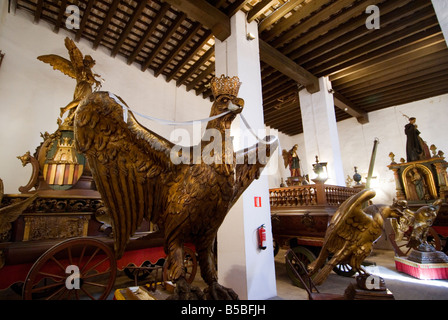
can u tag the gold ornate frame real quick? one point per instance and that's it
(427, 176)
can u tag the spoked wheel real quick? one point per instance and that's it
(190, 265)
(75, 269)
(402, 250)
(305, 256)
(344, 270)
(139, 274)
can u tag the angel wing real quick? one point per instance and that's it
(348, 221)
(286, 157)
(249, 171)
(128, 163)
(59, 63)
(76, 56)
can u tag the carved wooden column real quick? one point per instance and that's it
(398, 186)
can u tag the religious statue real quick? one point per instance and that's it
(188, 201)
(416, 148)
(351, 233)
(78, 68)
(418, 189)
(292, 160)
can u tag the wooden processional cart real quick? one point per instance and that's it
(66, 225)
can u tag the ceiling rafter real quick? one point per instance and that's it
(369, 69)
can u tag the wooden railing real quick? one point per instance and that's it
(310, 195)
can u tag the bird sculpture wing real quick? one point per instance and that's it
(248, 170)
(11, 212)
(59, 63)
(127, 162)
(348, 222)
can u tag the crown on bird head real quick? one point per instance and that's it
(225, 85)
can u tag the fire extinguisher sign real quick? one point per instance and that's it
(257, 202)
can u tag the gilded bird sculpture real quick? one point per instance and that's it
(135, 173)
(79, 67)
(9, 213)
(351, 234)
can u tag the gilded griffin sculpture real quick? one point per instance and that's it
(420, 221)
(188, 201)
(351, 233)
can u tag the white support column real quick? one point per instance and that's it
(242, 266)
(441, 9)
(320, 131)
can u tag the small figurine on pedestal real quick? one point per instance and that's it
(292, 160)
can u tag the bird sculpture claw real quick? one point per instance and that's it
(185, 291)
(218, 292)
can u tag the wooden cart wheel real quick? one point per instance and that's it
(143, 273)
(306, 256)
(401, 249)
(75, 269)
(190, 264)
(344, 270)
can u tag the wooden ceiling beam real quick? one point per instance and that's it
(410, 96)
(351, 13)
(278, 14)
(187, 74)
(416, 87)
(38, 12)
(84, 19)
(287, 109)
(409, 58)
(58, 23)
(166, 37)
(188, 57)
(208, 15)
(129, 25)
(295, 117)
(235, 7)
(181, 45)
(259, 9)
(394, 71)
(348, 106)
(110, 15)
(200, 77)
(419, 76)
(159, 16)
(349, 32)
(365, 45)
(305, 11)
(276, 59)
(306, 25)
(414, 44)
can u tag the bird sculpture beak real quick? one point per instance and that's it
(236, 105)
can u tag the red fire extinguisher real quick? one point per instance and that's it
(262, 237)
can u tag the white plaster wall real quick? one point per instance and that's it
(31, 92)
(356, 141)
